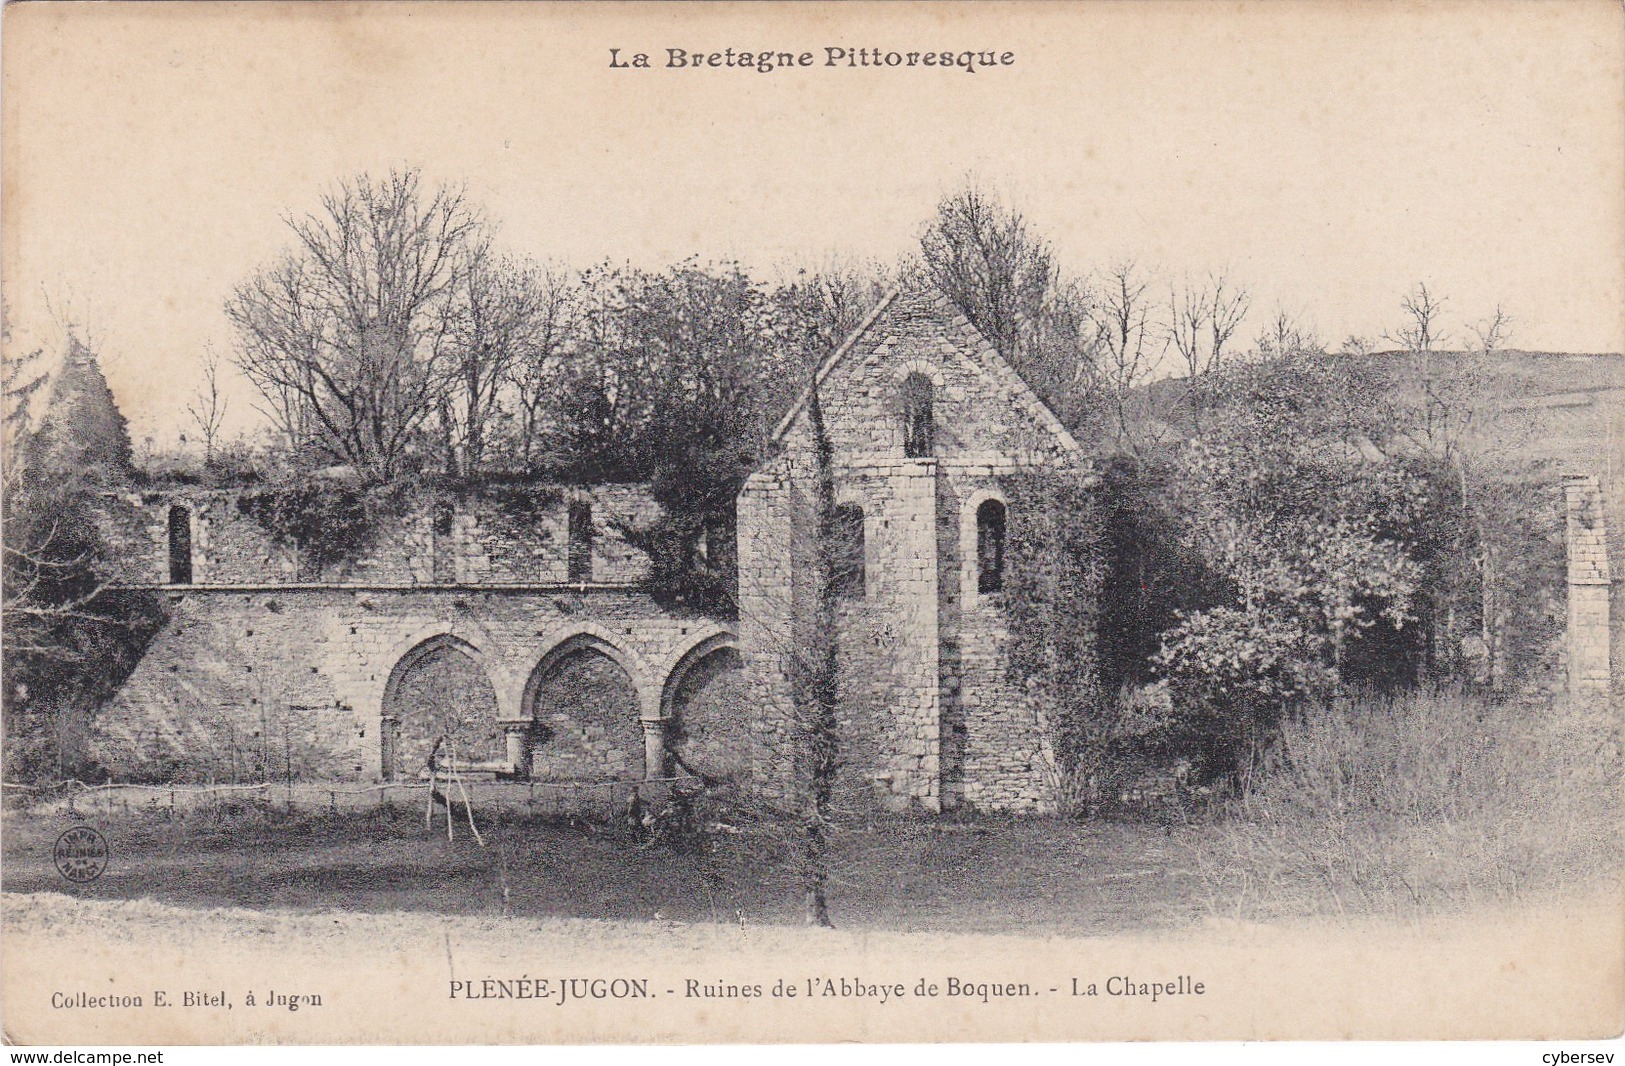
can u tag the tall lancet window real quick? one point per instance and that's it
(919, 420)
(847, 578)
(990, 546)
(180, 546)
(579, 546)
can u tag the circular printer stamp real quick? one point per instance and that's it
(80, 854)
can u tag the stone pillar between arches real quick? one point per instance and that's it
(655, 761)
(517, 734)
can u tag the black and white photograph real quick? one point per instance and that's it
(720, 523)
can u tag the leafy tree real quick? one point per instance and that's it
(1312, 540)
(679, 379)
(70, 636)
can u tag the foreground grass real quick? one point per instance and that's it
(1421, 805)
(999, 876)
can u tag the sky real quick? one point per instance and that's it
(1327, 154)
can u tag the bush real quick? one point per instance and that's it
(1423, 802)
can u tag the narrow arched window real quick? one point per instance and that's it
(846, 554)
(180, 546)
(990, 546)
(919, 426)
(580, 547)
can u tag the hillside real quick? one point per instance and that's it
(1567, 409)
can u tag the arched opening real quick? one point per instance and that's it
(990, 546)
(916, 399)
(580, 542)
(180, 546)
(439, 689)
(586, 721)
(847, 552)
(707, 724)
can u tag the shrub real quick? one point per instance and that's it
(1423, 802)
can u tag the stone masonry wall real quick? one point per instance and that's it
(244, 684)
(993, 751)
(495, 536)
(929, 716)
(1589, 587)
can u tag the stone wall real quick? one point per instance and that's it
(250, 684)
(273, 667)
(497, 535)
(1589, 634)
(929, 717)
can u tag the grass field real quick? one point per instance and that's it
(994, 877)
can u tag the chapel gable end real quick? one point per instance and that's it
(918, 381)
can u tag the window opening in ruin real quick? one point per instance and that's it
(990, 546)
(919, 428)
(846, 577)
(581, 534)
(180, 546)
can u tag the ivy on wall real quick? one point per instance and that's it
(329, 522)
(1055, 563)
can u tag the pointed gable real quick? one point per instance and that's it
(983, 413)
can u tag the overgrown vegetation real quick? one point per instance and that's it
(1422, 801)
(70, 636)
(1052, 602)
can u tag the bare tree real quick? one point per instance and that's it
(1419, 331)
(1202, 318)
(1451, 404)
(1129, 343)
(1284, 336)
(207, 407)
(503, 324)
(1006, 281)
(537, 370)
(983, 256)
(348, 337)
(1491, 333)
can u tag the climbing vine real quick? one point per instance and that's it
(1055, 564)
(329, 522)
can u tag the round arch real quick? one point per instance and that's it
(918, 365)
(968, 559)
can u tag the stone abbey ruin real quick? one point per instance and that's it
(516, 618)
(517, 621)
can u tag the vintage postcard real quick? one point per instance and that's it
(534, 523)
